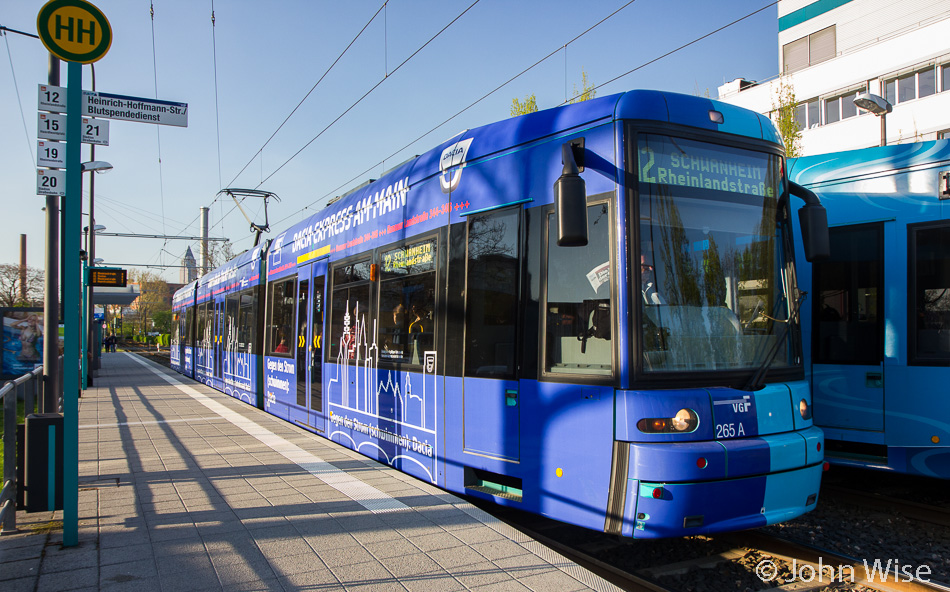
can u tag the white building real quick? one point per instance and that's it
(832, 50)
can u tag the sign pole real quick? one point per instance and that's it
(77, 32)
(72, 206)
(85, 322)
(51, 385)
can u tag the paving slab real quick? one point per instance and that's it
(185, 488)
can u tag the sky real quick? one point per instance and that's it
(245, 74)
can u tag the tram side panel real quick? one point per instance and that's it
(541, 443)
(226, 355)
(181, 351)
(875, 307)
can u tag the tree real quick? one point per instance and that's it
(783, 113)
(10, 285)
(530, 105)
(153, 298)
(219, 253)
(587, 92)
(163, 320)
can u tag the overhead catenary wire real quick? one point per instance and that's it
(560, 47)
(684, 46)
(352, 106)
(16, 89)
(375, 86)
(217, 117)
(306, 96)
(158, 132)
(477, 101)
(528, 69)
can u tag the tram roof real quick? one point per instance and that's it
(494, 138)
(822, 171)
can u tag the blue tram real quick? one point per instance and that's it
(877, 333)
(181, 347)
(476, 317)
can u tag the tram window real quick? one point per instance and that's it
(189, 325)
(491, 306)
(848, 317)
(247, 328)
(281, 330)
(407, 302)
(929, 293)
(350, 313)
(176, 328)
(204, 327)
(577, 324)
(230, 329)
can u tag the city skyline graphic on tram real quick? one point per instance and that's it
(389, 406)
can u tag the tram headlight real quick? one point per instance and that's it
(805, 409)
(685, 420)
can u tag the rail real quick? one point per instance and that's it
(28, 387)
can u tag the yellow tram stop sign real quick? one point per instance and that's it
(74, 30)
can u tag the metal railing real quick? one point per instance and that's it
(28, 387)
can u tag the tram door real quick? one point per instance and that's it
(311, 282)
(219, 332)
(491, 397)
(848, 330)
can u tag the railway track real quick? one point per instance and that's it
(823, 567)
(913, 510)
(747, 560)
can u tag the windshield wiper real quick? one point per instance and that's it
(755, 382)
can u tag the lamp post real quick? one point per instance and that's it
(877, 105)
(93, 166)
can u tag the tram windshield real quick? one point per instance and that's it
(712, 257)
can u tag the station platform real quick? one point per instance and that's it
(184, 488)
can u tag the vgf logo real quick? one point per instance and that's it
(74, 30)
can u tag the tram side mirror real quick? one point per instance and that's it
(570, 200)
(814, 223)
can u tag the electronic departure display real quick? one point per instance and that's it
(107, 277)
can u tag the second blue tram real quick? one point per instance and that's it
(588, 312)
(877, 333)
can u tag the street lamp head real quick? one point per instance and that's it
(875, 104)
(98, 166)
(97, 261)
(98, 228)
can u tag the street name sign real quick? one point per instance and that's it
(74, 30)
(50, 182)
(111, 106)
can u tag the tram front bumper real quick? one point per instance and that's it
(688, 488)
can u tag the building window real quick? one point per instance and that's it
(841, 106)
(945, 77)
(808, 51)
(913, 85)
(808, 114)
